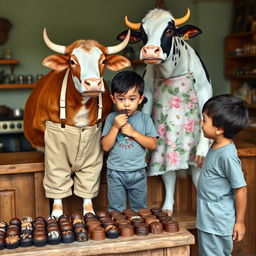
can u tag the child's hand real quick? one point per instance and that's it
(238, 231)
(199, 161)
(128, 130)
(120, 120)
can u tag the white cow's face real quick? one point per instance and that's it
(86, 69)
(157, 26)
(86, 59)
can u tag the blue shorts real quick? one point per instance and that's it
(127, 184)
(214, 245)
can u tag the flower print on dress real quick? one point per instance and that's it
(177, 118)
(161, 129)
(193, 97)
(175, 102)
(189, 125)
(191, 105)
(174, 158)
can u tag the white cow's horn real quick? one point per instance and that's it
(53, 46)
(121, 46)
(131, 25)
(183, 19)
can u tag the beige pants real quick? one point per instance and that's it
(73, 156)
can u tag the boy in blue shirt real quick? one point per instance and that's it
(127, 133)
(221, 192)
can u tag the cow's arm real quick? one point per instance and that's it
(203, 93)
(149, 89)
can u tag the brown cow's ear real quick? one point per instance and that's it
(56, 62)
(117, 62)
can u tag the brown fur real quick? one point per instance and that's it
(43, 103)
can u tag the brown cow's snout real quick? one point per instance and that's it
(151, 51)
(93, 84)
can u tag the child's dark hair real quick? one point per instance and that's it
(227, 112)
(125, 80)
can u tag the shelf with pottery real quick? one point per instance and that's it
(12, 63)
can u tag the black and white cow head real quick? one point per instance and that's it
(157, 30)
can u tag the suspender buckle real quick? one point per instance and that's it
(63, 123)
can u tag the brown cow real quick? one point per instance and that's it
(84, 103)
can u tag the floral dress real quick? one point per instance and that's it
(177, 119)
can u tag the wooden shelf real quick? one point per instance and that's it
(241, 56)
(16, 86)
(9, 62)
(242, 34)
(241, 77)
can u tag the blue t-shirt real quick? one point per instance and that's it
(127, 154)
(220, 175)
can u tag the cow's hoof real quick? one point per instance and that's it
(169, 212)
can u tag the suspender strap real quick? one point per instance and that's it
(63, 102)
(99, 118)
(63, 99)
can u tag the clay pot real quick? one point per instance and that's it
(171, 226)
(127, 230)
(156, 227)
(142, 229)
(98, 233)
(155, 210)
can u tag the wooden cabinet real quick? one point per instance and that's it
(241, 71)
(21, 186)
(12, 64)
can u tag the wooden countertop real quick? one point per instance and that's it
(12, 162)
(109, 246)
(21, 162)
(243, 148)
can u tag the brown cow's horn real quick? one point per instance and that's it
(183, 19)
(53, 46)
(121, 46)
(131, 25)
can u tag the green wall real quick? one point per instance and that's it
(102, 20)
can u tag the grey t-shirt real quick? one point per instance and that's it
(220, 175)
(127, 154)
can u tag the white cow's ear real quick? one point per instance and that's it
(56, 62)
(117, 62)
(187, 31)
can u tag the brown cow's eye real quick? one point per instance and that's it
(72, 62)
(103, 62)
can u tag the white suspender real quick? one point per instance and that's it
(63, 97)
(63, 101)
(99, 108)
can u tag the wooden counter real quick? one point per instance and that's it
(172, 244)
(22, 193)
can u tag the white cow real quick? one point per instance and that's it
(176, 86)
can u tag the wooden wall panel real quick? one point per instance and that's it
(7, 204)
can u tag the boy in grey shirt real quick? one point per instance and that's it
(126, 134)
(221, 192)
